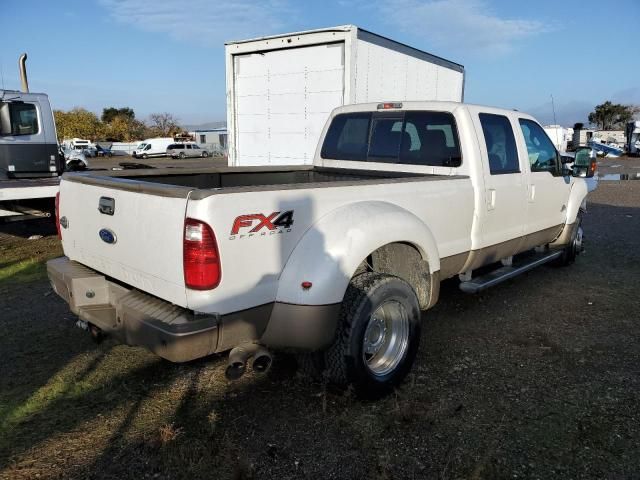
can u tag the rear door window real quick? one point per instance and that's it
(501, 144)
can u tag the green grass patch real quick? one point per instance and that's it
(27, 270)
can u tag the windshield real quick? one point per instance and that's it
(141, 146)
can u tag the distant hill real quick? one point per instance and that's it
(204, 126)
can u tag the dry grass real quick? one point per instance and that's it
(535, 379)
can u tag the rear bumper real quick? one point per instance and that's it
(179, 334)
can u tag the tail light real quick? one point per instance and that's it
(201, 261)
(58, 215)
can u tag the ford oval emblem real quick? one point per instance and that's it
(107, 236)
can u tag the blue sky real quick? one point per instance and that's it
(163, 55)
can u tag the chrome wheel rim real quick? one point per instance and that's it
(386, 338)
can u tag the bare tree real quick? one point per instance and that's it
(163, 124)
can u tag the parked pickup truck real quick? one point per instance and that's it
(334, 261)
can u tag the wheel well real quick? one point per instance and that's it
(405, 261)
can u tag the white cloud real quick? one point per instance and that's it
(460, 25)
(202, 21)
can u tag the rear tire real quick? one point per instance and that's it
(311, 365)
(378, 335)
(181, 155)
(205, 154)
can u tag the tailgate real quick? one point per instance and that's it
(140, 244)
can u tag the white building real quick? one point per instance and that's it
(610, 136)
(582, 137)
(212, 139)
(560, 136)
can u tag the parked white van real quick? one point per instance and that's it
(152, 147)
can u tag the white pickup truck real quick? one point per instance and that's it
(336, 259)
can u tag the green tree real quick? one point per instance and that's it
(109, 113)
(78, 123)
(124, 129)
(612, 116)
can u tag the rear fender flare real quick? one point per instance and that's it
(331, 250)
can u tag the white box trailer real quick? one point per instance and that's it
(281, 89)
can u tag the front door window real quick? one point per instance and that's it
(543, 156)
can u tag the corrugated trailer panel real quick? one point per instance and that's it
(383, 73)
(450, 85)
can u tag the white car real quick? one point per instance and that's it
(334, 260)
(184, 150)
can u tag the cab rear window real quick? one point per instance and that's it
(18, 118)
(412, 137)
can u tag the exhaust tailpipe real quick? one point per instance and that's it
(240, 355)
(22, 67)
(262, 360)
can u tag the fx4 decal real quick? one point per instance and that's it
(250, 225)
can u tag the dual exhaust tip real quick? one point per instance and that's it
(239, 357)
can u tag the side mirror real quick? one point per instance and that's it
(585, 163)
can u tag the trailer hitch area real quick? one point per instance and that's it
(97, 335)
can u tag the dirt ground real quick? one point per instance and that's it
(536, 378)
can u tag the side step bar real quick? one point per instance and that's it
(502, 274)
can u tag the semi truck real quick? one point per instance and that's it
(30, 161)
(334, 261)
(282, 88)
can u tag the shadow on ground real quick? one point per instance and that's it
(535, 378)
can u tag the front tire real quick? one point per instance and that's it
(144, 156)
(181, 155)
(378, 335)
(575, 246)
(205, 154)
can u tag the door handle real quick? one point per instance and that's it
(491, 199)
(532, 193)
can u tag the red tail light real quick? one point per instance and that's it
(58, 215)
(201, 261)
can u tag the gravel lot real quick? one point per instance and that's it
(536, 378)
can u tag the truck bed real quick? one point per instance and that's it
(226, 179)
